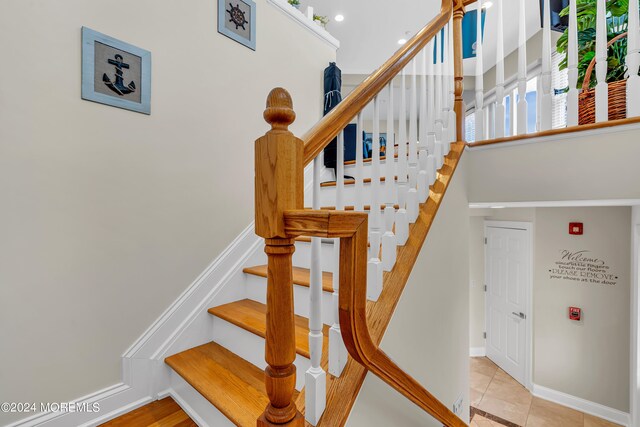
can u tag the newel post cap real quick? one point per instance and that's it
(279, 112)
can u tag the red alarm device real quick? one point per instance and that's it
(575, 313)
(576, 228)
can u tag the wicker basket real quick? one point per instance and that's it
(617, 95)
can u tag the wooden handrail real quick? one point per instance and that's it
(319, 136)
(352, 228)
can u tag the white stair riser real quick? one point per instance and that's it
(302, 256)
(251, 347)
(350, 170)
(195, 405)
(257, 291)
(328, 194)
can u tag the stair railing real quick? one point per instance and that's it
(610, 104)
(398, 190)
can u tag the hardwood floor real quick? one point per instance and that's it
(161, 413)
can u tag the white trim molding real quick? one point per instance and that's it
(307, 23)
(577, 403)
(477, 351)
(555, 204)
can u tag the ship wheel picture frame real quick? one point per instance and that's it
(237, 20)
(115, 73)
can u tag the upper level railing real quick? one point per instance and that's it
(604, 99)
(432, 120)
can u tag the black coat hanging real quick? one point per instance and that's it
(332, 97)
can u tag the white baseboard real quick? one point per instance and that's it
(477, 351)
(110, 403)
(592, 408)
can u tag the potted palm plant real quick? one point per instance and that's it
(294, 3)
(617, 52)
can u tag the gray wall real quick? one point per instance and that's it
(588, 359)
(108, 215)
(428, 335)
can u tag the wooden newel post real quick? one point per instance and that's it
(279, 187)
(459, 106)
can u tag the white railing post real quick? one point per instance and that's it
(402, 220)
(374, 270)
(431, 117)
(633, 60)
(389, 243)
(479, 113)
(446, 125)
(359, 172)
(337, 350)
(546, 99)
(423, 184)
(439, 150)
(315, 377)
(412, 195)
(453, 131)
(522, 70)
(602, 88)
(500, 110)
(572, 66)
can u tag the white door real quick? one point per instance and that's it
(507, 270)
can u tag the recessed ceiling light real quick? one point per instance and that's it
(402, 41)
(487, 5)
(339, 18)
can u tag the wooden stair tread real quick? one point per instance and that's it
(352, 208)
(252, 316)
(352, 182)
(301, 276)
(353, 162)
(230, 383)
(159, 413)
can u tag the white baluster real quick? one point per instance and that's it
(500, 110)
(513, 112)
(446, 108)
(633, 60)
(572, 65)
(480, 133)
(522, 71)
(412, 195)
(402, 220)
(423, 181)
(315, 377)
(439, 151)
(359, 173)
(602, 88)
(374, 270)
(337, 350)
(545, 102)
(389, 242)
(491, 120)
(431, 116)
(453, 131)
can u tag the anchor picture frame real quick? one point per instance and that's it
(237, 20)
(115, 73)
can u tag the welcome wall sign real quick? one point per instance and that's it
(583, 268)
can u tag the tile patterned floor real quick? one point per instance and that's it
(496, 393)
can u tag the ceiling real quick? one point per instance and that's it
(371, 29)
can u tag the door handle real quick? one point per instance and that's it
(520, 315)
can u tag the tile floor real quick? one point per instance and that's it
(495, 392)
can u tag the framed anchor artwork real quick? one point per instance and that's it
(115, 73)
(237, 20)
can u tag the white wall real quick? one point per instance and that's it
(589, 359)
(584, 166)
(428, 336)
(107, 215)
(635, 315)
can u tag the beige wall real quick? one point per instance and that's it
(432, 320)
(582, 167)
(107, 215)
(589, 359)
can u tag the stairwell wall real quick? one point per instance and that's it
(428, 335)
(107, 215)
